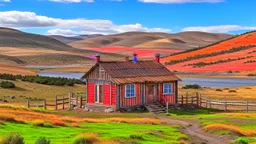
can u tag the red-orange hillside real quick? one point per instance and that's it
(235, 61)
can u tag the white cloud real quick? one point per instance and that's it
(71, 1)
(5, 0)
(18, 19)
(219, 29)
(180, 1)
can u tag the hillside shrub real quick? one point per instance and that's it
(232, 91)
(7, 85)
(194, 86)
(251, 75)
(12, 138)
(220, 90)
(42, 140)
(58, 123)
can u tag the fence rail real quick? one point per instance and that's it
(73, 100)
(200, 101)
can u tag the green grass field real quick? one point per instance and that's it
(109, 131)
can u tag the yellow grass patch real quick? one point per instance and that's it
(23, 115)
(250, 115)
(232, 128)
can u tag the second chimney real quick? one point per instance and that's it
(157, 57)
(135, 60)
(97, 58)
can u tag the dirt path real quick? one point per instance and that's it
(196, 134)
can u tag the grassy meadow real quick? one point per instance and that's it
(36, 91)
(32, 124)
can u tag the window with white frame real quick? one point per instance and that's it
(167, 88)
(129, 90)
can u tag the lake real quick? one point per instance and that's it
(204, 82)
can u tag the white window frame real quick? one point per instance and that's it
(171, 88)
(134, 91)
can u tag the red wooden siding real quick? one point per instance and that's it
(113, 98)
(106, 96)
(90, 92)
(170, 98)
(129, 102)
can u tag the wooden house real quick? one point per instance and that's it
(130, 83)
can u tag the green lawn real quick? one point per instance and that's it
(114, 131)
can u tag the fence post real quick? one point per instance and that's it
(182, 99)
(63, 103)
(69, 100)
(76, 100)
(28, 105)
(225, 105)
(210, 103)
(192, 100)
(44, 103)
(56, 103)
(200, 104)
(197, 99)
(206, 102)
(247, 106)
(187, 99)
(81, 101)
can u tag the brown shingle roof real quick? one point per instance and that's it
(131, 69)
(142, 71)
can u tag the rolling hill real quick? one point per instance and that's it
(19, 49)
(179, 41)
(66, 40)
(237, 54)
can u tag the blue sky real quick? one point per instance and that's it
(74, 17)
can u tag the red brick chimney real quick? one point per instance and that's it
(97, 58)
(157, 57)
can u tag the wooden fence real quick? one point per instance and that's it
(226, 105)
(73, 100)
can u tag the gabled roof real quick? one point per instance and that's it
(141, 71)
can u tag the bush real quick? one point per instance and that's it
(232, 91)
(38, 123)
(251, 75)
(42, 140)
(241, 141)
(194, 86)
(86, 138)
(58, 123)
(7, 85)
(12, 138)
(48, 125)
(220, 90)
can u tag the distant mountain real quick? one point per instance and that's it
(66, 40)
(237, 54)
(180, 41)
